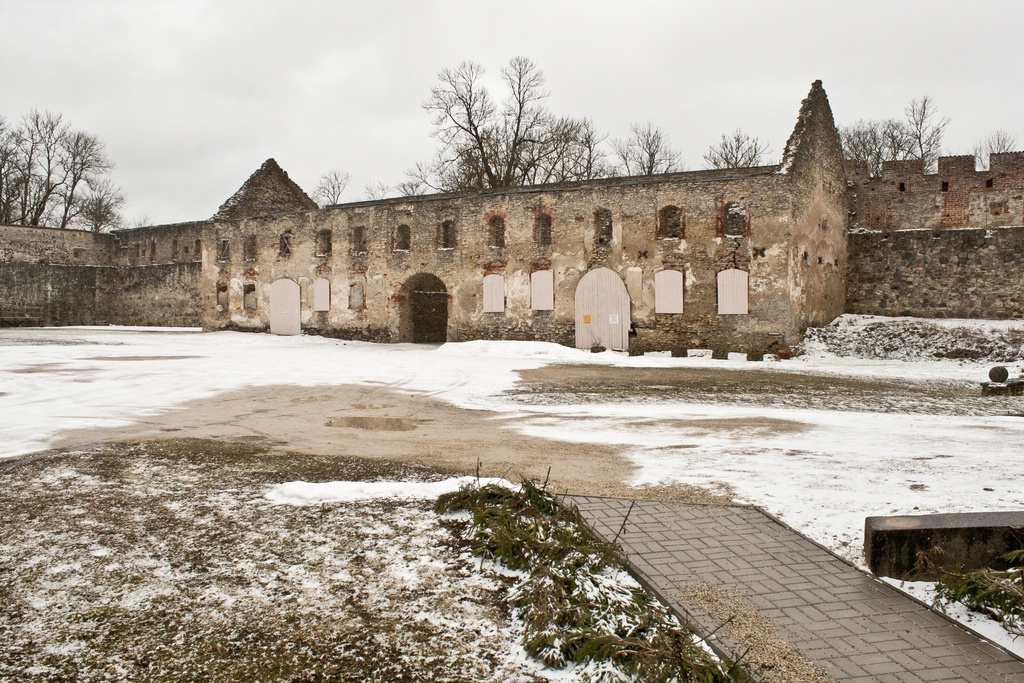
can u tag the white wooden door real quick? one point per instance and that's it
(602, 311)
(284, 307)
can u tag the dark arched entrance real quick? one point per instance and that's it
(423, 318)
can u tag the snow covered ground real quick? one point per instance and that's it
(820, 468)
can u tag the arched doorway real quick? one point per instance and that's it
(602, 311)
(284, 307)
(423, 318)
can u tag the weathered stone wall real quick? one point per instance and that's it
(175, 243)
(363, 258)
(966, 273)
(821, 208)
(39, 294)
(22, 244)
(957, 196)
(162, 295)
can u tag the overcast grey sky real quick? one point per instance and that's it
(191, 96)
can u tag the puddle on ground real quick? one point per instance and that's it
(140, 357)
(48, 367)
(767, 425)
(377, 424)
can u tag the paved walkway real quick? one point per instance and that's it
(852, 626)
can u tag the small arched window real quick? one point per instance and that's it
(284, 245)
(603, 226)
(670, 223)
(403, 238)
(496, 232)
(446, 235)
(542, 230)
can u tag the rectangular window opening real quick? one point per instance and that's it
(249, 248)
(249, 296)
(358, 239)
(324, 243)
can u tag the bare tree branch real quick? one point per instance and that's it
(994, 143)
(875, 142)
(646, 151)
(377, 190)
(331, 186)
(926, 128)
(519, 143)
(50, 173)
(737, 150)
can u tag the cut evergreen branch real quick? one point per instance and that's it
(577, 605)
(999, 594)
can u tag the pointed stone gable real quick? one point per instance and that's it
(267, 191)
(815, 139)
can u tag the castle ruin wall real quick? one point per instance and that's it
(962, 273)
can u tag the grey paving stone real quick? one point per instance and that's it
(851, 625)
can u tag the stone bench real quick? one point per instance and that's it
(969, 540)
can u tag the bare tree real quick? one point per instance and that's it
(994, 143)
(101, 207)
(50, 173)
(571, 151)
(646, 151)
(519, 142)
(377, 190)
(917, 136)
(332, 184)
(926, 128)
(410, 188)
(874, 142)
(737, 150)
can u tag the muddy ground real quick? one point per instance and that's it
(378, 422)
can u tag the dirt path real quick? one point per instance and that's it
(380, 423)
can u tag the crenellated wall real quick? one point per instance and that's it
(903, 197)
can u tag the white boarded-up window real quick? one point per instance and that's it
(542, 290)
(321, 294)
(732, 292)
(494, 293)
(668, 291)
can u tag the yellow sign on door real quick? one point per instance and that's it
(586, 319)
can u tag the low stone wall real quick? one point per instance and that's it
(964, 273)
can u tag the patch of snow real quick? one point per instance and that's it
(312, 493)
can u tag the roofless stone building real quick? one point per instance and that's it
(733, 260)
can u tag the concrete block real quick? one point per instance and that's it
(970, 540)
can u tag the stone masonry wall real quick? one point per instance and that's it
(966, 273)
(368, 272)
(22, 244)
(36, 294)
(957, 196)
(162, 295)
